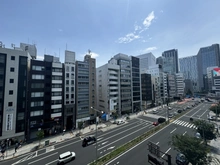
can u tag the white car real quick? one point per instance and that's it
(119, 122)
(155, 111)
(66, 157)
(169, 108)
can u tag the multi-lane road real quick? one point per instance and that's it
(139, 154)
(111, 139)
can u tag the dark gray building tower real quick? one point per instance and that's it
(207, 57)
(170, 61)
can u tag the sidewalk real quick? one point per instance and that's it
(28, 149)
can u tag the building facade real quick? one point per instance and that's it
(146, 90)
(69, 90)
(170, 61)
(13, 88)
(146, 60)
(207, 57)
(188, 66)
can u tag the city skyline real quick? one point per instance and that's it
(110, 27)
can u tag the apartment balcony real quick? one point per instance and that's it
(53, 115)
(57, 73)
(113, 82)
(56, 106)
(57, 81)
(56, 98)
(113, 87)
(56, 89)
(113, 77)
(113, 93)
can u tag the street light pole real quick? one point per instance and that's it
(96, 123)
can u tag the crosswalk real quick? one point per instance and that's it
(185, 124)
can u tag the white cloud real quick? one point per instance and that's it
(149, 49)
(94, 55)
(136, 28)
(128, 38)
(148, 19)
(41, 58)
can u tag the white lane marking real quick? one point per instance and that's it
(166, 152)
(191, 126)
(184, 133)
(181, 123)
(110, 148)
(51, 162)
(43, 158)
(100, 138)
(203, 113)
(185, 124)
(136, 145)
(157, 143)
(195, 112)
(122, 137)
(104, 142)
(173, 130)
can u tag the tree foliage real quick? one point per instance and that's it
(215, 108)
(205, 129)
(191, 147)
(40, 135)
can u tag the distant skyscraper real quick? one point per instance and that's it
(188, 66)
(146, 60)
(170, 61)
(31, 49)
(207, 57)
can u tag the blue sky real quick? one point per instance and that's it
(108, 27)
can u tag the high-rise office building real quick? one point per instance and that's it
(207, 57)
(85, 89)
(170, 61)
(69, 90)
(146, 90)
(13, 88)
(45, 101)
(146, 60)
(31, 49)
(188, 66)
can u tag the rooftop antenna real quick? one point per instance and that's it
(45, 51)
(89, 51)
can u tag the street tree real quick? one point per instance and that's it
(40, 135)
(194, 151)
(215, 109)
(206, 130)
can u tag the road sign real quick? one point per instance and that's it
(154, 149)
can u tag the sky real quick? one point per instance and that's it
(109, 27)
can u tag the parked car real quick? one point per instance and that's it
(66, 157)
(170, 115)
(88, 140)
(155, 123)
(169, 108)
(161, 120)
(181, 159)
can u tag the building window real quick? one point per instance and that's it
(67, 75)
(72, 96)
(11, 92)
(39, 68)
(10, 104)
(67, 82)
(67, 96)
(72, 89)
(37, 94)
(72, 82)
(37, 103)
(21, 116)
(9, 121)
(72, 69)
(37, 77)
(12, 57)
(11, 81)
(36, 113)
(67, 89)
(12, 69)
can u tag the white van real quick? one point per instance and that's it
(66, 157)
(120, 122)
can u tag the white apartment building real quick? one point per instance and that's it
(108, 85)
(180, 85)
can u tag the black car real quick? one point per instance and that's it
(88, 140)
(161, 120)
(179, 111)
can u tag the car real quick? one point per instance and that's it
(119, 122)
(88, 140)
(155, 111)
(155, 123)
(169, 108)
(161, 120)
(66, 157)
(181, 159)
(198, 135)
(170, 115)
(179, 111)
